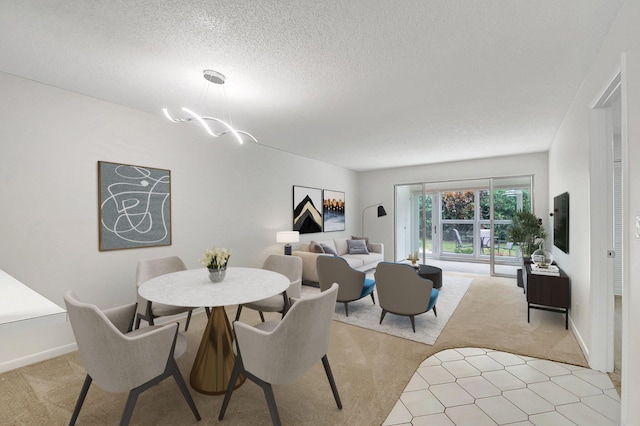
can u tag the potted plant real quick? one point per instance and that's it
(526, 231)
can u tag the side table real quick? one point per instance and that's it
(547, 293)
(432, 273)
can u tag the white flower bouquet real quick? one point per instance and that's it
(216, 258)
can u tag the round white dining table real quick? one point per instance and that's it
(192, 288)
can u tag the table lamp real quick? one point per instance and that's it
(287, 237)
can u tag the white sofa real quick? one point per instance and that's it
(361, 262)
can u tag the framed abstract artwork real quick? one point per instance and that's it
(333, 209)
(134, 206)
(307, 209)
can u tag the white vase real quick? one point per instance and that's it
(216, 275)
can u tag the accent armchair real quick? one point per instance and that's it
(402, 291)
(121, 360)
(354, 285)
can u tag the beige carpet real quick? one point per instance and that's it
(371, 371)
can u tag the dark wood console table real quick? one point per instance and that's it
(547, 292)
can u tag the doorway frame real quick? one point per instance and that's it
(601, 357)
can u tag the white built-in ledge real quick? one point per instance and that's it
(22, 308)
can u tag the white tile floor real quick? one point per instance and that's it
(473, 386)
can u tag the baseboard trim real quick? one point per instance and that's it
(37, 357)
(583, 346)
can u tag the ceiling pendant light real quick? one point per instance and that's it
(221, 127)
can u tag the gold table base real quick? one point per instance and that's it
(213, 364)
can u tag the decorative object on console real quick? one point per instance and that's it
(413, 257)
(134, 206)
(381, 212)
(216, 261)
(307, 219)
(218, 79)
(542, 257)
(333, 208)
(287, 237)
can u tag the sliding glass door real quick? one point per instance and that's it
(464, 221)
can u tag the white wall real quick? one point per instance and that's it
(376, 186)
(569, 170)
(224, 194)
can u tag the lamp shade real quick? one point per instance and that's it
(381, 211)
(287, 236)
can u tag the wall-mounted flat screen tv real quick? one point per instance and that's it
(561, 222)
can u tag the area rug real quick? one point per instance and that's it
(363, 313)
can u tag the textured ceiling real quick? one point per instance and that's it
(361, 84)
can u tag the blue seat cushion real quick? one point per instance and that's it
(367, 288)
(433, 299)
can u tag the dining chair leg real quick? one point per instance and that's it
(332, 382)
(237, 366)
(271, 403)
(238, 312)
(373, 298)
(413, 322)
(435, 311)
(81, 397)
(186, 326)
(261, 315)
(208, 311)
(177, 376)
(129, 406)
(149, 314)
(346, 308)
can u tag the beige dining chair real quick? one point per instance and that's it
(278, 352)
(151, 268)
(120, 360)
(289, 266)
(354, 285)
(402, 291)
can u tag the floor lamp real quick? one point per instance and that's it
(381, 212)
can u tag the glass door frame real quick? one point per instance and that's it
(420, 191)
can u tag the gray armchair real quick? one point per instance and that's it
(289, 266)
(354, 285)
(277, 352)
(121, 360)
(151, 268)
(402, 291)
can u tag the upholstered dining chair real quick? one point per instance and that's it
(277, 352)
(354, 285)
(151, 268)
(121, 360)
(290, 267)
(402, 291)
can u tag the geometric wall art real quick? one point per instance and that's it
(134, 206)
(333, 210)
(307, 209)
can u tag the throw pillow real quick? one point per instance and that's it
(315, 247)
(328, 249)
(357, 247)
(366, 239)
